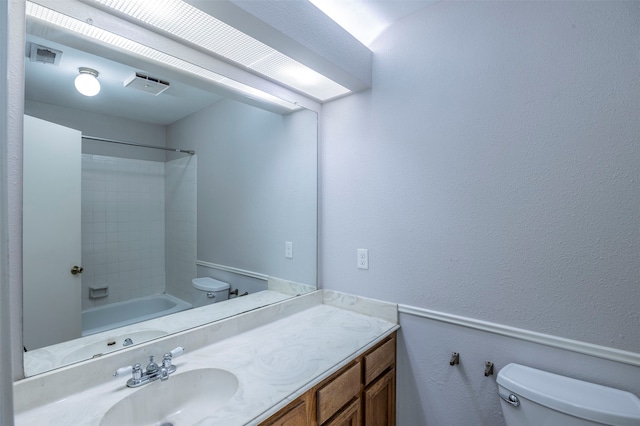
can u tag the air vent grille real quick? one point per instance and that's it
(146, 84)
(44, 54)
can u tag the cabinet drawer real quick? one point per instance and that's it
(377, 361)
(335, 394)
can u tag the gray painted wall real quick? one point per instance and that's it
(256, 187)
(492, 172)
(430, 392)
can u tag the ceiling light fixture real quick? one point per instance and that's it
(222, 39)
(80, 27)
(87, 82)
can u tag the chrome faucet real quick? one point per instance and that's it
(152, 371)
(151, 368)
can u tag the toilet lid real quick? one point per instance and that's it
(571, 396)
(209, 284)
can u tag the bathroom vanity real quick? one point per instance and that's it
(324, 358)
(361, 393)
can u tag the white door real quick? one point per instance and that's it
(51, 233)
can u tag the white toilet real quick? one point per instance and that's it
(531, 397)
(206, 291)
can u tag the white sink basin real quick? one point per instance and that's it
(184, 399)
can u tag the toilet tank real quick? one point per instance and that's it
(553, 400)
(207, 290)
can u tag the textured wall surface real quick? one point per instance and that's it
(6, 406)
(492, 172)
(10, 338)
(15, 110)
(430, 392)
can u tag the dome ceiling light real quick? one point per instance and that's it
(87, 82)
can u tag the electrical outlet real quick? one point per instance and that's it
(288, 250)
(363, 259)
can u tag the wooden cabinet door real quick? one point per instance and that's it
(380, 401)
(350, 416)
(294, 416)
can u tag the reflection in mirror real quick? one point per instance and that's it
(143, 223)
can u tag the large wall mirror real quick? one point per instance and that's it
(115, 233)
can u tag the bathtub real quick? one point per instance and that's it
(114, 315)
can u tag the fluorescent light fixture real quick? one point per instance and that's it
(358, 17)
(87, 82)
(72, 24)
(367, 19)
(195, 26)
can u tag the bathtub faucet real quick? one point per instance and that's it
(152, 372)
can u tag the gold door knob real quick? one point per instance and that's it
(76, 270)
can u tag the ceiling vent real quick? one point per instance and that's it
(44, 54)
(144, 83)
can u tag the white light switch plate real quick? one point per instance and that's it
(288, 250)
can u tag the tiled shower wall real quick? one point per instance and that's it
(123, 228)
(180, 230)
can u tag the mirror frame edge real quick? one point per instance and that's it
(15, 113)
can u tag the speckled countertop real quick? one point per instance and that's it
(276, 353)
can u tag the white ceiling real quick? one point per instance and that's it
(53, 84)
(366, 19)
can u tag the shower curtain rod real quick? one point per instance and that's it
(186, 151)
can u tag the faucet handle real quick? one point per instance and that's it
(166, 359)
(136, 370)
(123, 371)
(177, 352)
